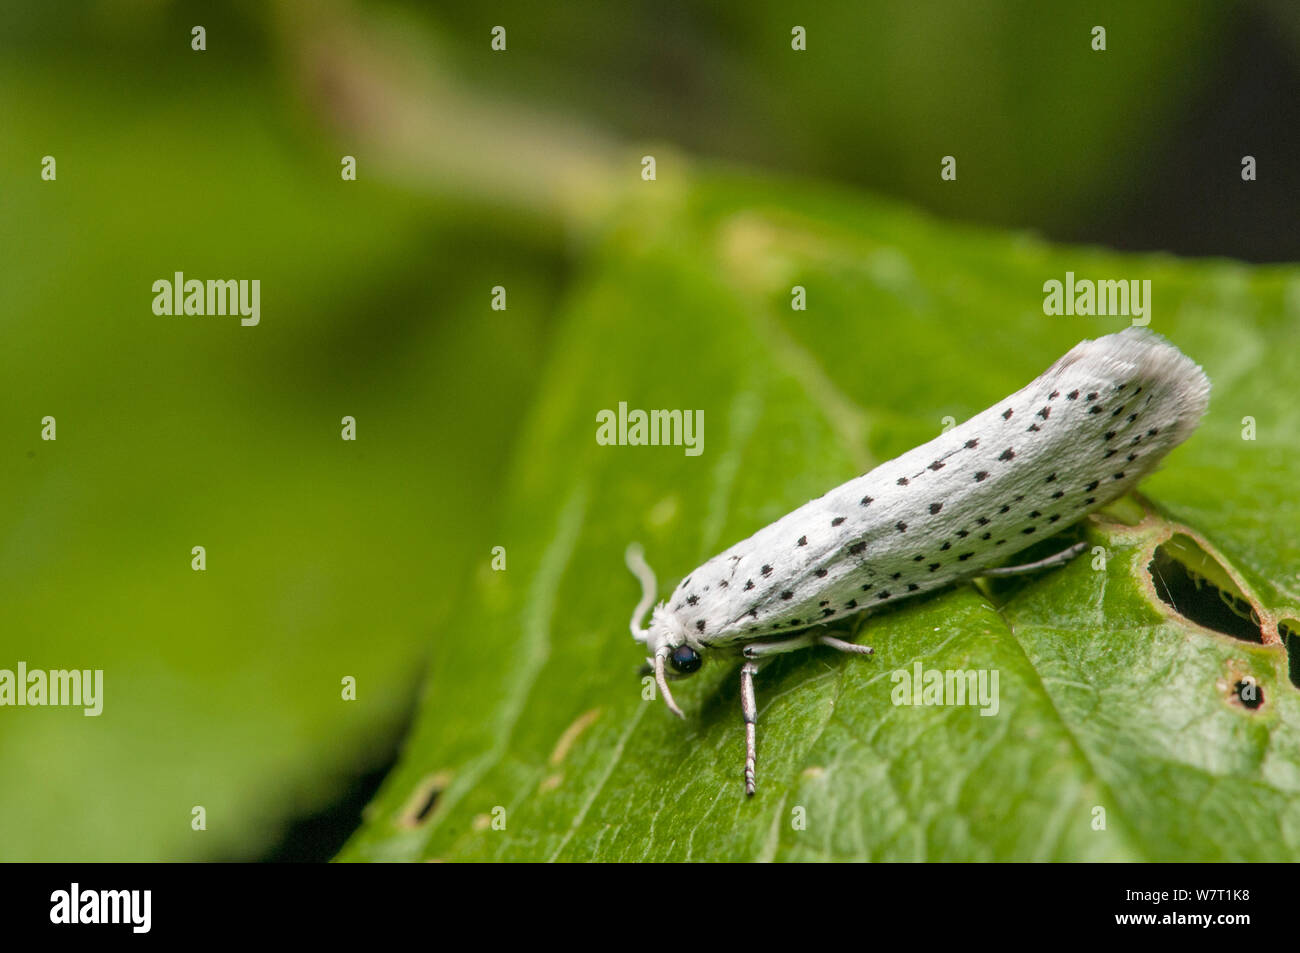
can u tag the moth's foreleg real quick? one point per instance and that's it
(754, 654)
(749, 709)
(1059, 559)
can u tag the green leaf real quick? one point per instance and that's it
(534, 741)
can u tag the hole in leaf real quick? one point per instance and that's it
(1197, 587)
(1289, 629)
(427, 809)
(1249, 693)
(423, 800)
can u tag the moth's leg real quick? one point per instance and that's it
(749, 709)
(841, 646)
(1060, 559)
(766, 649)
(755, 654)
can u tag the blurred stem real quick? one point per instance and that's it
(380, 80)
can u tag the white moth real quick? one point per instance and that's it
(1077, 437)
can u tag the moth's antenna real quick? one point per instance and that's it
(634, 556)
(635, 559)
(660, 654)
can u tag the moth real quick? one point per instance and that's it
(1074, 439)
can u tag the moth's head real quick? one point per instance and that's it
(676, 655)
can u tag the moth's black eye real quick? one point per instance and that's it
(685, 659)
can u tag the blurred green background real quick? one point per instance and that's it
(328, 558)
